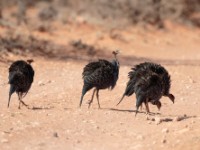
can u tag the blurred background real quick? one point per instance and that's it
(68, 28)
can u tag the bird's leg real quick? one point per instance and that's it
(19, 107)
(97, 94)
(147, 109)
(25, 104)
(141, 107)
(90, 102)
(20, 101)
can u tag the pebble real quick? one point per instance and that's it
(158, 120)
(140, 137)
(149, 122)
(183, 130)
(55, 134)
(40, 83)
(154, 142)
(121, 123)
(179, 118)
(182, 99)
(165, 130)
(78, 141)
(164, 141)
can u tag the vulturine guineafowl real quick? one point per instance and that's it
(21, 76)
(149, 81)
(101, 74)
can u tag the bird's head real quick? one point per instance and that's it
(29, 61)
(115, 61)
(115, 53)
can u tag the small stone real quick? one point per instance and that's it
(178, 141)
(121, 123)
(78, 141)
(191, 80)
(149, 122)
(158, 120)
(40, 83)
(183, 130)
(140, 137)
(49, 81)
(55, 134)
(187, 87)
(165, 130)
(179, 118)
(164, 141)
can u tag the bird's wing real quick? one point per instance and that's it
(98, 72)
(90, 68)
(93, 66)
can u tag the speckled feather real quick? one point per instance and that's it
(100, 74)
(135, 74)
(21, 76)
(149, 81)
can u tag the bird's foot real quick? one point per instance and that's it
(28, 107)
(147, 115)
(89, 103)
(141, 108)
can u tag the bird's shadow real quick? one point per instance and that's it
(130, 111)
(41, 108)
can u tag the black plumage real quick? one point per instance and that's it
(21, 76)
(149, 81)
(101, 74)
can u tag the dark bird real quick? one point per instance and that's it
(149, 81)
(20, 77)
(99, 75)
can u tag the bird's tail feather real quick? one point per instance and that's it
(129, 89)
(84, 90)
(121, 99)
(12, 90)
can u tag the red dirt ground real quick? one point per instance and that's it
(59, 123)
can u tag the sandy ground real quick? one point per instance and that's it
(58, 122)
